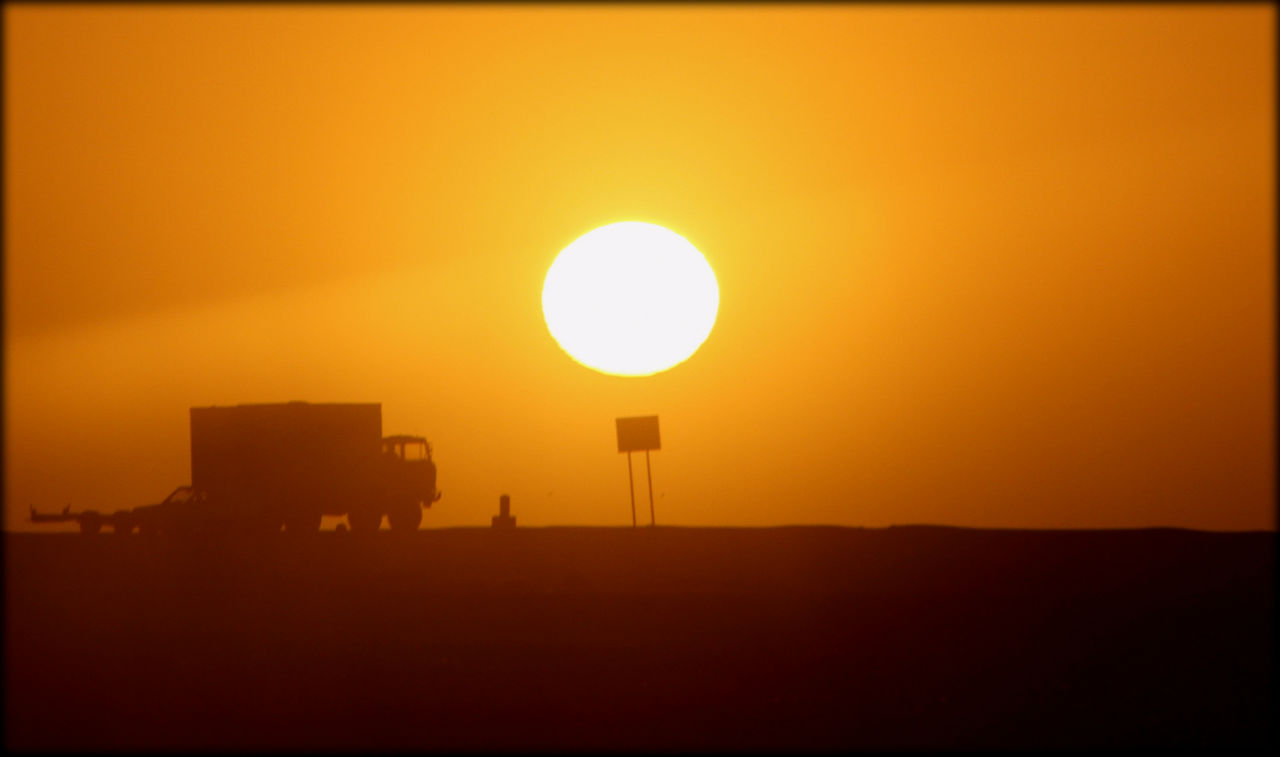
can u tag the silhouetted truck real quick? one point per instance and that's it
(257, 468)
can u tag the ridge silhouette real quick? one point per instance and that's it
(688, 639)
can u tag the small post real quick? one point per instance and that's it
(631, 487)
(648, 471)
(503, 519)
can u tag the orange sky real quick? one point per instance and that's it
(1003, 266)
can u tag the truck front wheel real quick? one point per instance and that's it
(406, 517)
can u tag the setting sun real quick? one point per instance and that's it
(630, 299)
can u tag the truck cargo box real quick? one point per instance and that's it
(266, 454)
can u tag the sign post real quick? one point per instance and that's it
(631, 487)
(634, 435)
(648, 472)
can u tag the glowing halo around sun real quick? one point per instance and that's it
(630, 299)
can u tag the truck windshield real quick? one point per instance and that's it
(405, 450)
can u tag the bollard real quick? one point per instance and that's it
(503, 519)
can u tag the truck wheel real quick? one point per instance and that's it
(406, 518)
(123, 529)
(90, 523)
(362, 521)
(303, 523)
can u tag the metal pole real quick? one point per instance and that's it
(648, 471)
(631, 486)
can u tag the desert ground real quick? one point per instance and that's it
(769, 639)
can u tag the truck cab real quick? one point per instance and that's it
(411, 470)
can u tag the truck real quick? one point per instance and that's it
(258, 468)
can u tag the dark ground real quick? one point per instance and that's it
(598, 638)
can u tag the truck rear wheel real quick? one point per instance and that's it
(362, 521)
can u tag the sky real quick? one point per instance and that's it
(986, 266)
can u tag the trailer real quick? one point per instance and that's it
(258, 468)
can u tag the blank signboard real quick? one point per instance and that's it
(638, 434)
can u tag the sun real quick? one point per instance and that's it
(630, 299)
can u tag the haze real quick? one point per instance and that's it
(981, 266)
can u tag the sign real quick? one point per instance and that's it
(638, 434)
